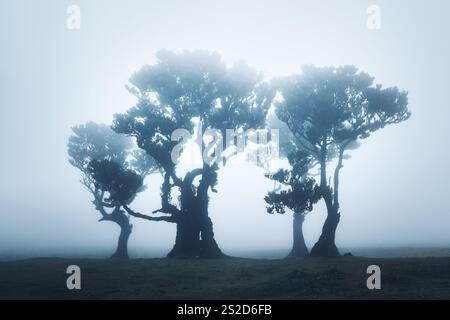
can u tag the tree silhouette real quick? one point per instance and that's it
(299, 195)
(328, 110)
(187, 91)
(112, 170)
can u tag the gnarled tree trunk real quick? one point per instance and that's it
(195, 235)
(195, 238)
(299, 249)
(125, 230)
(208, 245)
(187, 238)
(325, 246)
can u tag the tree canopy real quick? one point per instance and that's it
(328, 111)
(108, 162)
(330, 107)
(197, 92)
(298, 191)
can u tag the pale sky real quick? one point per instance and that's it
(393, 189)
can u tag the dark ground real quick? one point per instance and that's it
(234, 278)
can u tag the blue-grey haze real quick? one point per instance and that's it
(394, 189)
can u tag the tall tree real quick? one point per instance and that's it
(113, 172)
(298, 192)
(328, 110)
(186, 91)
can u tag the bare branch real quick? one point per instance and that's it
(145, 217)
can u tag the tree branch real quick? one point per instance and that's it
(336, 178)
(145, 217)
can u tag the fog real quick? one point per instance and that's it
(393, 189)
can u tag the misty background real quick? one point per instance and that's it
(394, 189)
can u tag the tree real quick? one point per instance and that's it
(329, 110)
(194, 91)
(106, 161)
(299, 195)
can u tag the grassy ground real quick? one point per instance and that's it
(340, 278)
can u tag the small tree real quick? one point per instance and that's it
(106, 160)
(299, 194)
(328, 110)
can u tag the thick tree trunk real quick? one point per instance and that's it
(122, 244)
(299, 249)
(195, 236)
(208, 245)
(195, 239)
(187, 240)
(325, 246)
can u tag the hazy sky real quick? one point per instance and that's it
(394, 189)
